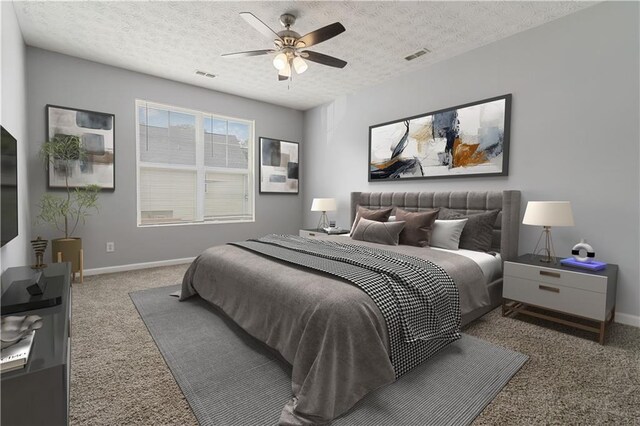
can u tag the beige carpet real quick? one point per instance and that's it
(119, 377)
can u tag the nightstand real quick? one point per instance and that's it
(310, 233)
(560, 289)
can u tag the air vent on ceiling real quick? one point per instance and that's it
(417, 54)
(205, 74)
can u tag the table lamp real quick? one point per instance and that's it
(547, 214)
(323, 205)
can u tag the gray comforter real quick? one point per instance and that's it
(331, 332)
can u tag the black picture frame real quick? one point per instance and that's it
(104, 157)
(479, 163)
(273, 176)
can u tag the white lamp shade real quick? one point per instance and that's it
(548, 213)
(299, 65)
(323, 205)
(280, 61)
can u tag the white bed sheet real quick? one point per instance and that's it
(491, 265)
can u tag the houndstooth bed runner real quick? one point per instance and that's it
(418, 299)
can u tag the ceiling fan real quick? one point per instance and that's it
(289, 45)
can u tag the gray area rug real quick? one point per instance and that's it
(230, 378)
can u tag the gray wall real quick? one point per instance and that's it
(574, 130)
(13, 118)
(63, 80)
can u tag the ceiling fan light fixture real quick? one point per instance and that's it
(299, 65)
(286, 70)
(288, 43)
(280, 61)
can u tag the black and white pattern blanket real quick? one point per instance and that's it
(418, 299)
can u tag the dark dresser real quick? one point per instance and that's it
(38, 394)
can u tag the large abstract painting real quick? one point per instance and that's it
(278, 166)
(466, 140)
(96, 131)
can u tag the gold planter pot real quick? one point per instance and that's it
(69, 250)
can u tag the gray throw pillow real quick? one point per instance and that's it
(417, 228)
(378, 232)
(446, 233)
(478, 231)
(380, 215)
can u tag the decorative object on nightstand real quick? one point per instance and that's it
(590, 295)
(39, 246)
(323, 205)
(547, 214)
(587, 261)
(590, 254)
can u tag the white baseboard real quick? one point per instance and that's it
(627, 319)
(134, 266)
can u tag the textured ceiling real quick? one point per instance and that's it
(174, 39)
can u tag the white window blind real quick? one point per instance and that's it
(193, 167)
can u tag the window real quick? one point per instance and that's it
(193, 167)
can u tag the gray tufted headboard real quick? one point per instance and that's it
(505, 230)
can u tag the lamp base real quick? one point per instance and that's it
(547, 253)
(323, 222)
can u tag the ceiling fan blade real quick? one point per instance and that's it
(262, 28)
(320, 35)
(323, 59)
(282, 77)
(248, 53)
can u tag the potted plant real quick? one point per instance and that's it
(68, 211)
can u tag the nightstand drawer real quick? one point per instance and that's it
(577, 280)
(570, 300)
(310, 234)
(314, 233)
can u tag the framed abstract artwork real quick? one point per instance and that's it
(97, 135)
(462, 141)
(279, 164)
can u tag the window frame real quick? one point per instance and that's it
(200, 168)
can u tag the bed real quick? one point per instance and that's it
(340, 337)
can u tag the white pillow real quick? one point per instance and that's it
(446, 233)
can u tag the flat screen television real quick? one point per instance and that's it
(9, 193)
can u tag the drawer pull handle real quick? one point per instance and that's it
(547, 288)
(311, 234)
(550, 274)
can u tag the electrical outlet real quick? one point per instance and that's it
(111, 247)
